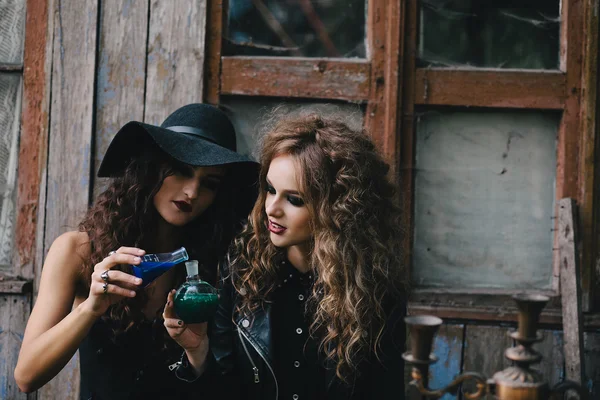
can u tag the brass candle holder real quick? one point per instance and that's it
(518, 382)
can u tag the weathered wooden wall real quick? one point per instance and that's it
(112, 61)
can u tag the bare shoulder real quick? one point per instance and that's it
(69, 251)
(60, 279)
(73, 241)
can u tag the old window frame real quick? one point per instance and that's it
(375, 79)
(561, 90)
(391, 86)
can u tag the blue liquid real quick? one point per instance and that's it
(149, 271)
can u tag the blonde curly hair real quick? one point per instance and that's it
(356, 229)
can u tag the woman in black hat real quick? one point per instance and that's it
(314, 291)
(180, 184)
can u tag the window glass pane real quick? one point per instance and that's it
(484, 199)
(249, 113)
(296, 28)
(489, 33)
(10, 109)
(12, 25)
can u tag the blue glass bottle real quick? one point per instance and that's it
(154, 265)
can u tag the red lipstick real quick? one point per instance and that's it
(276, 228)
(183, 206)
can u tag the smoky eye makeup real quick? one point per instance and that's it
(268, 187)
(295, 200)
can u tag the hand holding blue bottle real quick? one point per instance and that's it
(108, 286)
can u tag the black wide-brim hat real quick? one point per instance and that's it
(200, 135)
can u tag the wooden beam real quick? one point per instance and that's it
(33, 143)
(550, 317)
(569, 151)
(570, 289)
(15, 286)
(569, 136)
(407, 129)
(589, 155)
(296, 77)
(216, 13)
(11, 68)
(385, 45)
(490, 88)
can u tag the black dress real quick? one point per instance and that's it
(134, 365)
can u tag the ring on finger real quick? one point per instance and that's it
(104, 276)
(111, 253)
(105, 288)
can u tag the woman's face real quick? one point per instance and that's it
(187, 193)
(288, 217)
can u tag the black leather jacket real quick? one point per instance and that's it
(242, 363)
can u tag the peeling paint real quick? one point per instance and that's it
(448, 351)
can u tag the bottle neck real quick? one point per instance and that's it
(191, 278)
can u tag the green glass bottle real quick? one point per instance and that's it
(196, 300)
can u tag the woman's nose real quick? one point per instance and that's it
(272, 208)
(191, 188)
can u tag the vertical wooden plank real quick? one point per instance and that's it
(447, 347)
(551, 348)
(407, 142)
(571, 44)
(570, 289)
(592, 363)
(15, 311)
(33, 136)
(69, 155)
(484, 349)
(175, 56)
(43, 154)
(589, 188)
(216, 15)
(569, 134)
(121, 73)
(385, 41)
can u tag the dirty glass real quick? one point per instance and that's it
(484, 199)
(296, 28)
(10, 107)
(251, 116)
(12, 25)
(489, 33)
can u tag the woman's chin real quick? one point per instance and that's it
(277, 240)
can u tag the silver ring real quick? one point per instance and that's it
(104, 276)
(111, 253)
(105, 288)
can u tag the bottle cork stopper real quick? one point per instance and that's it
(191, 267)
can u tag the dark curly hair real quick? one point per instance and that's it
(124, 215)
(356, 226)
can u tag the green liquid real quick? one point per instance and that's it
(193, 307)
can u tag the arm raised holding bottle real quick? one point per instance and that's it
(61, 317)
